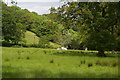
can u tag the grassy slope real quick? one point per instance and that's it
(31, 38)
(51, 63)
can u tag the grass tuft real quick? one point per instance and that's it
(51, 61)
(83, 62)
(28, 58)
(19, 58)
(90, 64)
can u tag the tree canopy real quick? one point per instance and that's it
(98, 23)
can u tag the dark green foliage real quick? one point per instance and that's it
(5, 43)
(16, 46)
(83, 62)
(12, 29)
(19, 57)
(28, 58)
(90, 64)
(17, 21)
(45, 52)
(96, 23)
(101, 54)
(51, 61)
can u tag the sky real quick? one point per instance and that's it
(39, 6)
(34, 0)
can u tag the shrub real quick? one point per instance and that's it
(16, 46)
(7, 44)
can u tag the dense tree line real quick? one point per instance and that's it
(17, 21)
(75, 25)
(12, 29)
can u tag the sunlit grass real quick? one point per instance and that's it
(46, 63)
(31, 38)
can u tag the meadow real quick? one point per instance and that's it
(52, 63)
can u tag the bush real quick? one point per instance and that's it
(16, 46)
(6, 44)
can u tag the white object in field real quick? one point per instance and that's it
(58, 48)
(86, 49)
(62, 48)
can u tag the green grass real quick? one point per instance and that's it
(54, 45)
(31, 38)
(52, 63)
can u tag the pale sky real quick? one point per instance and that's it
(34, 0)
(39, 6)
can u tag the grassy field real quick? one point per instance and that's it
(51, 63)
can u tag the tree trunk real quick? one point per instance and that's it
(101, 54)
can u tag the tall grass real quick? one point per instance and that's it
(51, 63)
